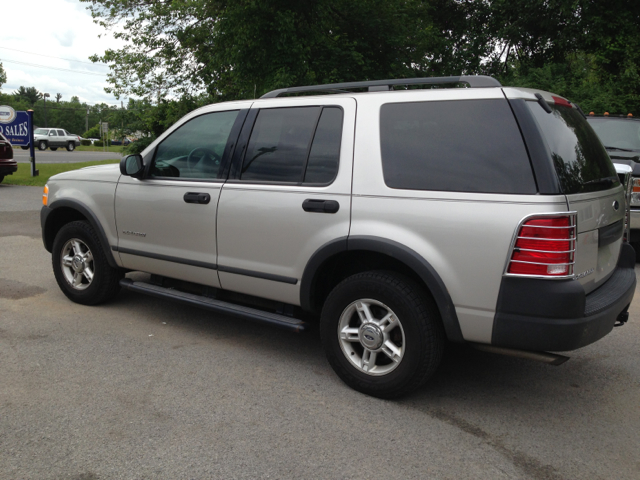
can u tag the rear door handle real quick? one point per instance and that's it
(195, 197)
(320, 206)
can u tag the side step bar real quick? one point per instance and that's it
(214, 305)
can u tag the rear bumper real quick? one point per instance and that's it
(551, 315)
(7, 168)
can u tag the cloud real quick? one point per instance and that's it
(66, 39)
(57, 61)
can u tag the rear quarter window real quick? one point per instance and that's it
(579, 158)
(458, 146)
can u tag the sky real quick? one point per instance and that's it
(58, 36)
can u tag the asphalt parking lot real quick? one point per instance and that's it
(145, 389)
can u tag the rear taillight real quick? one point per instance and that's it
(545, 246)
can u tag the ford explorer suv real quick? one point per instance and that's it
(396, 214)
(54, 138)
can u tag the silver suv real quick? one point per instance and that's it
(53, 138)
(397, 217)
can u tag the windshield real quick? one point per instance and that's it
(580, 160)
(41, 131)
(617, 133)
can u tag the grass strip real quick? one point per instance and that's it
(23, 175)
(93, 148)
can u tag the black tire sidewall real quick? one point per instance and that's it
(42, 145)
(82, 231)
(70, 147)
(404, 377)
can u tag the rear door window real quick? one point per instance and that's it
(299, 145)
(579, 158)
(458, 146)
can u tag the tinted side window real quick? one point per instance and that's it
(52, 133)
(279, 144)
(459, 146)
(61, 133)
(578, 155)
(324, 157)
(294, 145)
(195, 149)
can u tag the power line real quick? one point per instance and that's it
(51, 56)
(56, 68)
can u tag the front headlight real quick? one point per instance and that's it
(635, 193)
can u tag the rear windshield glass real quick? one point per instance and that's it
(457, 146)
(617, 133)
(580, 160)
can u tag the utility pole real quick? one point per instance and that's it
(86, 122)
(46, 123)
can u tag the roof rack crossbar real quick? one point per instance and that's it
(474, 81)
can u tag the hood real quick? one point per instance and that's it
(97, 173)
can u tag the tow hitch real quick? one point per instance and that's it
(622, 319)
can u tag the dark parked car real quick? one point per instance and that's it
(620, 135)
(7, 164)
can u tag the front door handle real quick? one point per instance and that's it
(194, 197)
(320, 206)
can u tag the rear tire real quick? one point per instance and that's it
(71, 147)
(1, 178)
(382, 333)
(81, 267)
(25, 147)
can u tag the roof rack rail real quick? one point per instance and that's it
(475, 81)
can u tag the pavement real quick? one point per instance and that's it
(141, 388)
(62, 156)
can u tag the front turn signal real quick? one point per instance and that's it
(45, 195)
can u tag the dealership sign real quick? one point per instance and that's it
(14, 125)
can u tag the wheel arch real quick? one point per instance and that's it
(344, 257)
(62, 212)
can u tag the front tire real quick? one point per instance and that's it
(382, 333)
(71, 147)
(81, 267)
(42, 145)
(1, 178)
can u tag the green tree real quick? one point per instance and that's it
(3, 76)
(30, 94)
(243, 48)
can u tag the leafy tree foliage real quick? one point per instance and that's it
(30, 95)
(3, 76)
(243, 48)
(71, 115)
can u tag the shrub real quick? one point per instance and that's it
(98, 143)
(85, 142)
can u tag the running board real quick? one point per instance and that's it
(214, 305)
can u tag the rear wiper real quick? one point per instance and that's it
(618, 148)
(602, 181)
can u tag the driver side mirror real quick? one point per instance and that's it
(132, 166)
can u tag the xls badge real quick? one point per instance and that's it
(584, 274)
(137, 234)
